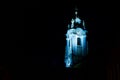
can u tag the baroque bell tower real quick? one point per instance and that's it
(76, 41)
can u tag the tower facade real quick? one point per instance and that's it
(76, 41)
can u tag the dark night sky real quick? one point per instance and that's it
(44, 37)
(46, 27)
(40, 40)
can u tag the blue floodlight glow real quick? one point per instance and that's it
(77, 20)
(68, 62)
(76, 43)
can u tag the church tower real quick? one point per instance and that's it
(76, 41)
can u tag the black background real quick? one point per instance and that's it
(40, 44)
(45, 34)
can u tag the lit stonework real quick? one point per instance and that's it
(76, 42)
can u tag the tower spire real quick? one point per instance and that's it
(77, 19)
(76, 11)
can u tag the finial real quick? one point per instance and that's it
(76, 10)
(72, 23)
(68, 26)
(76, 13)
(84, 24)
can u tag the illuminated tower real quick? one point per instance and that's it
(76, 41)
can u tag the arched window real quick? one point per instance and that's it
(78, 41)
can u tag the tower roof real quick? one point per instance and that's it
(76, 21)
